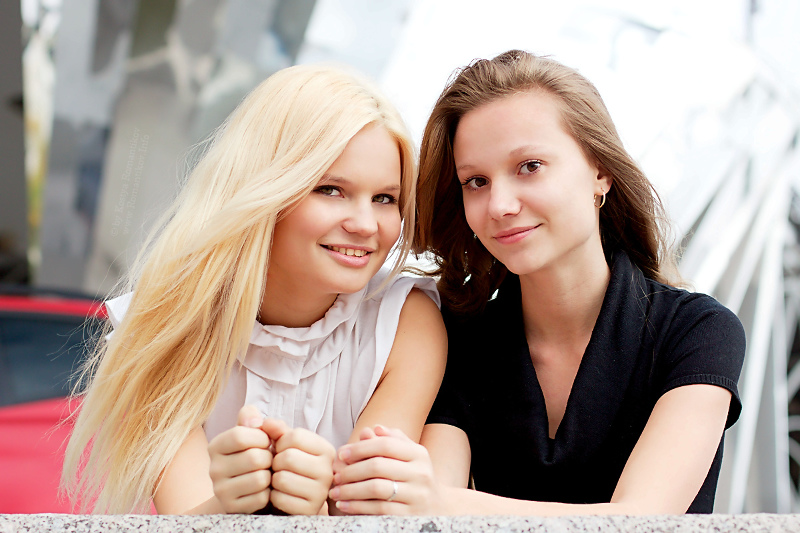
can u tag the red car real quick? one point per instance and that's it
(43, 338)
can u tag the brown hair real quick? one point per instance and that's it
(632, 219)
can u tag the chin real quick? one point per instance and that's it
(351, 286)
(521, 268)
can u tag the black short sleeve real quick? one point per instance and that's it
(451, 406)
(648, 339)
(705, 345)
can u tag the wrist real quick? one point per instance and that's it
(448, 499)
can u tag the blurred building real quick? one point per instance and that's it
(13, 208)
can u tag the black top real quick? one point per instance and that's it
(649, 338)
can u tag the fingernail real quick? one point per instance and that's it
(335, 493)
(253, 422)
(343, 506)
(337, 479)
(344, 454)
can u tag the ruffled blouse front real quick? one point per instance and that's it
(320, 377)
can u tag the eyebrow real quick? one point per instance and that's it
(528, 148)
(330, 178)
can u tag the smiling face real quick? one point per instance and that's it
(338, 237)
(528, 189)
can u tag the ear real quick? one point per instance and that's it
(604, 181)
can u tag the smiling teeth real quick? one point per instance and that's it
(348, 251)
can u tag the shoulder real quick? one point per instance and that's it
(398, 308)
(696, 333)
(420, 339)
(116, 308)
(384, 287)
(683, 310)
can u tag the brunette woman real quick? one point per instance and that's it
(580, 380)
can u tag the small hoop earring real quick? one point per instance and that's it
(602, 200)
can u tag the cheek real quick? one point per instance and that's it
(391, 225)
(473, 212)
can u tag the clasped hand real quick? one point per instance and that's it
(385, 472)
(262, 461)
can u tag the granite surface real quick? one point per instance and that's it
(754, 523)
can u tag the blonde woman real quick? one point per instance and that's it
(258, 318)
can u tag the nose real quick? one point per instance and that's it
(361, 219)
(503, 200)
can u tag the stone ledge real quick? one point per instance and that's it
(751, 523)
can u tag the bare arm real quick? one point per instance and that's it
(410, 379)
(185, 486)
(413, 371)
(229, 475)
(663, 474)
(448, 447)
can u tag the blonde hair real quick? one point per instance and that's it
(199, 280)
(632, 220)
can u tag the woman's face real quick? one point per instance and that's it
(528, 189)
(338, 237)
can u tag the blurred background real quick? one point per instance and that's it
(101, 100)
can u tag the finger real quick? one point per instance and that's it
(237, 439)
(392, 447)
(229, 490)
(236, 464)
(307, 441)
(275, 428)
(338, 465)
(366, 433)
(304, 464)
(249, 416)
(294, 505)
(248, 504)
(383, 431)
(372, 489)
(375, 468)
(373, 507)
(293, 484)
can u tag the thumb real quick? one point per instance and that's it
(249, 417)
(275, 428)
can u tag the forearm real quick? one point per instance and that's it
(210, 506)
(458, 501)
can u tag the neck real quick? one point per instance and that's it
(288, 304)
(561, 303)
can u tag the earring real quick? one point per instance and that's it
(602, 200)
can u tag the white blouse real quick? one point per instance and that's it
(320, 377)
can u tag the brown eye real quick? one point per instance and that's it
(475, 183)
(384, 199)
(530, 167)
(328, 190)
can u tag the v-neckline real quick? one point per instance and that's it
(608, 360)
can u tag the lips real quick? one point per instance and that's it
(513, 235)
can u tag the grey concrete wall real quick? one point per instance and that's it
(753, 523)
